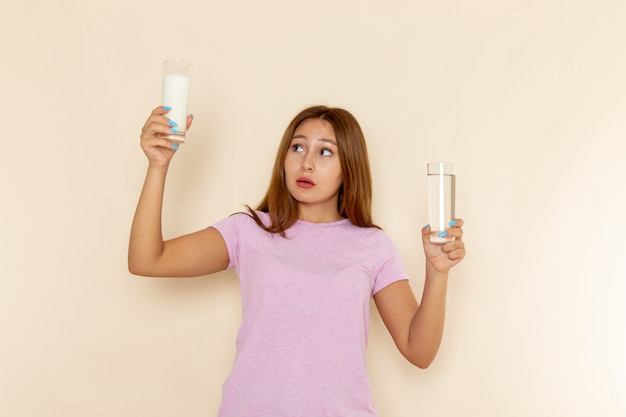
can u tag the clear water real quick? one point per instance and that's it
(441, 203)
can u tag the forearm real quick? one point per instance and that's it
(146, 238)
(417, 328)
(427, 326)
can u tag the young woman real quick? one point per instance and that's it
(309, 259)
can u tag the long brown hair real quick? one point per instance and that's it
(355, 194)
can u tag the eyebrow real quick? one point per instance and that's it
(331, 141)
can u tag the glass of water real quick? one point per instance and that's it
(441, 194)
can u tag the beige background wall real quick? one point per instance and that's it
(527, 97)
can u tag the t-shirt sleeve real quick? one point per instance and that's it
(390, 265)
(230, 229)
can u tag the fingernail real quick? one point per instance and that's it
(174, 131)
(175, 146)
(452, 223)
(191, 115)
(426, 227)
(172, 123)
(443, 234)
(167, 108)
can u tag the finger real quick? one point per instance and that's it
(455, 232)
(155, 132)
(426, 233)
(457, 223)
(155, 142)
(189, 121)
(162, 143)
(455, 229)
(454, 250)
(157, 125)
(161, 110)
(456, 254)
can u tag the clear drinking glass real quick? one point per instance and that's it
(175, 94)
(441, 194)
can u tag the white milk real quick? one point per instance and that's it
(176, 96)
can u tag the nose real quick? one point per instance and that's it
(307, 163)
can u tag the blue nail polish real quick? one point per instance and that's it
(426, 227)
(452, 223)
(167, 108)
(172, 123)
(175, 146)
(443, 234)
(174, 131)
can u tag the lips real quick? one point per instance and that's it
(304, 182)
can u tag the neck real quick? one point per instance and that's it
(319, 216)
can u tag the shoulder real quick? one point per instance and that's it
(237, 223)
(377, 243)
(242, 218)
(240, 232)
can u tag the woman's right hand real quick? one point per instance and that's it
(159, 150)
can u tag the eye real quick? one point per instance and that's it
(297, 148)
(326, 152)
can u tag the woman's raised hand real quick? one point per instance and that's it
(158, 149)
(444, 256)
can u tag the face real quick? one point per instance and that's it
(313, 169)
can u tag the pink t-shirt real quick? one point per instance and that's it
(306, 300)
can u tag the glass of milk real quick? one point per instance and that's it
(175, 94)
(441, 193)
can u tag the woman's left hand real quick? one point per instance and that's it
(443, 256)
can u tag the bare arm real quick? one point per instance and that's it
(417, 329)
(195, 254)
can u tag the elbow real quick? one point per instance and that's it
(132, 264)
(145, 268)
(423, 364)
(139, 265)
(421, 360)
(135, 268)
